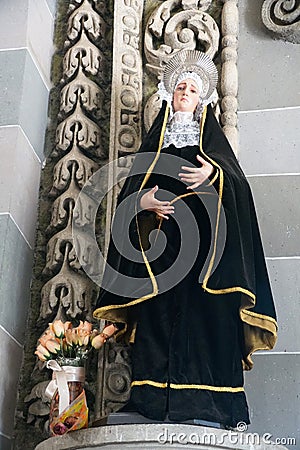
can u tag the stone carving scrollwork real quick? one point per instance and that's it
(38, 403)
(282, 17)
(68, 290)
(84, 54)
(78, 126)
(189, 28)
(173, 26)
(91, 97)
(88, 19)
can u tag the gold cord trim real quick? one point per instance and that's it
(221, 187)
(206, 387)
(175, 200)
(214, 178)
(260, 316)
(210, 266)
(149, 382)
(256, 340)
(161, 140)
(152, 277)
(149, 171)
(203, 387)
(230, 290)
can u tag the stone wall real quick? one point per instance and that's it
(269, 128)
(26, 36)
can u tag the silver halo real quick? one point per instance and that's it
(191, 61)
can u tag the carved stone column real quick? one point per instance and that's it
(126, 95)
(229, 72)
(282, 18)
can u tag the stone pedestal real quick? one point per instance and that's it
(158, 436)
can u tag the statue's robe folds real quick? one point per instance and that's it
(197, 311)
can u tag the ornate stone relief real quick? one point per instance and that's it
(114, 378)
(176, 25)
(173, 26)
(70, 293)
(282, 17)
(127, 77)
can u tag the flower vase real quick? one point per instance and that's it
(62, 418)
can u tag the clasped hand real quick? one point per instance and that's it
(194, 175)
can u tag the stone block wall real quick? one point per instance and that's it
(26, 47)
(269, 130)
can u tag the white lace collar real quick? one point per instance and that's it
(182, 130)
(182, 117)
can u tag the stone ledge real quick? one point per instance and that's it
(158, 436)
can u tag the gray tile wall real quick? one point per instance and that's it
(23, 96)
(29, 24)
(285, 280)
(271, 67)
(269, 113)
(274, 380)
(11, 356)
(26, 36)
(15, 262)
(20, 172)
(277, 200)
(5, 442)
(270, 141)
(52, 6)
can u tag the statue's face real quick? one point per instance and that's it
(186, 96)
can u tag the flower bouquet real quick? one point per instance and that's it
(65, 350)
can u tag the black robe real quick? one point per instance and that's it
(193, 330)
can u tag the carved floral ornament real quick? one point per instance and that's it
(173, 26)
(189, 28)
(282, 17)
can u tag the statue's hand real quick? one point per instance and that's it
(149, 202)
(197, 175)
